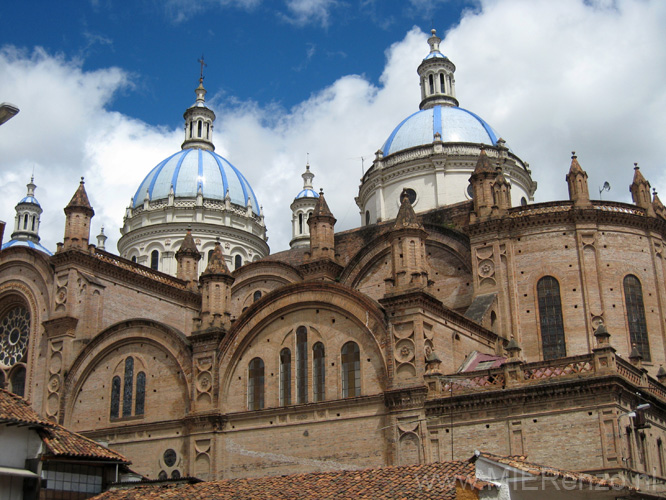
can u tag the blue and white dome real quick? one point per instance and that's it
(452, 123)
(27, 243)
(307, 193)
(191, 170)
(30, 199)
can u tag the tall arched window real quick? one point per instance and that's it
(17, 381)
(367, 217)
(301, 365)
(134, 258)
(207, 130)
(115, 397)
(256, 296)
(154, 259)
(127, 389)
(550, 316)
(238, 262)
(285, 377)
(351, 370)
(139, 405)
(25, 221)
(633, 296)
(133, 395)
(432, 84)
(318, 372)
(33, 223)
(255, 384)
(199, 129)
(442, 86)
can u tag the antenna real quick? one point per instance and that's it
(605, 187)
(362, 158)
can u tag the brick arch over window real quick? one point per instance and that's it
(633, 298)
(133, 336)
(364, 323)
(551, 324)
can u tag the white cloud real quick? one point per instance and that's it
(303, 12)
(182, 10)
(549, 76)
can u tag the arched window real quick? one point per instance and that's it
(633, 296)
(238, 262)
(134, 258)
(210, 254)
(191, 129)
(256, 296)
(432, 84)
(127, 388)
(255, 384)
(285, 377)
(199, 129)
(550, 315)
(25, 221)
(301, 365)
(139, 405)
(207, 130)
(154, 259)
(17, 381)
(33, 223)
(115, 397)
(300, 223)
(351, 370)
(441, 83)
(318, 372)
(367, 217)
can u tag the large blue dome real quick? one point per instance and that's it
(192, 169)
(454, 124)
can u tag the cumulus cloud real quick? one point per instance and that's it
(303, 12)
(549, 76)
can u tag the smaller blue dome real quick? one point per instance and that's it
(452, 123)
(307, 193)
(26, 243)
(435, 55)
(30, 199)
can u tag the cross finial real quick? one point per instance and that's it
(203, 64)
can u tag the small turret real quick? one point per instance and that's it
(199, 120)
(579, 192)
(187, 260)
(482, 180)
(216, 284)
(501, 193)
(640, 191)
(78, 213)
(101, 239)
(322, 226)
(26, 225)
(409, 267)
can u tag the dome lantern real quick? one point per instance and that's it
(199, 120)
(438, 86)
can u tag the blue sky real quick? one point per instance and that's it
(102, 86)
(270, 52)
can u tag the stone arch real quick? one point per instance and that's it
(359, 317)
(121, 337)
(32, 288)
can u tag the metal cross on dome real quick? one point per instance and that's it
(201, 61)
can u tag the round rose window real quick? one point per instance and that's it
(14, 334)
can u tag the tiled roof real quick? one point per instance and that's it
(436, 480)
(59, 441)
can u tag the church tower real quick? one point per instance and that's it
(216, 284)
(301, 209)
(26, 225)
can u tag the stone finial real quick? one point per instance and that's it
(406, 217)
(635, 357)
(513, 348)
(657, 205)
(216, 262)
(101, 239)
(576, 179)
(602, 336)
(661, 375)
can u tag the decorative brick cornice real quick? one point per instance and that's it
(99, 262)
(409, 397)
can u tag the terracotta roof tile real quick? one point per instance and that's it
(436, 480)
(80, 199)
(59, 441)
